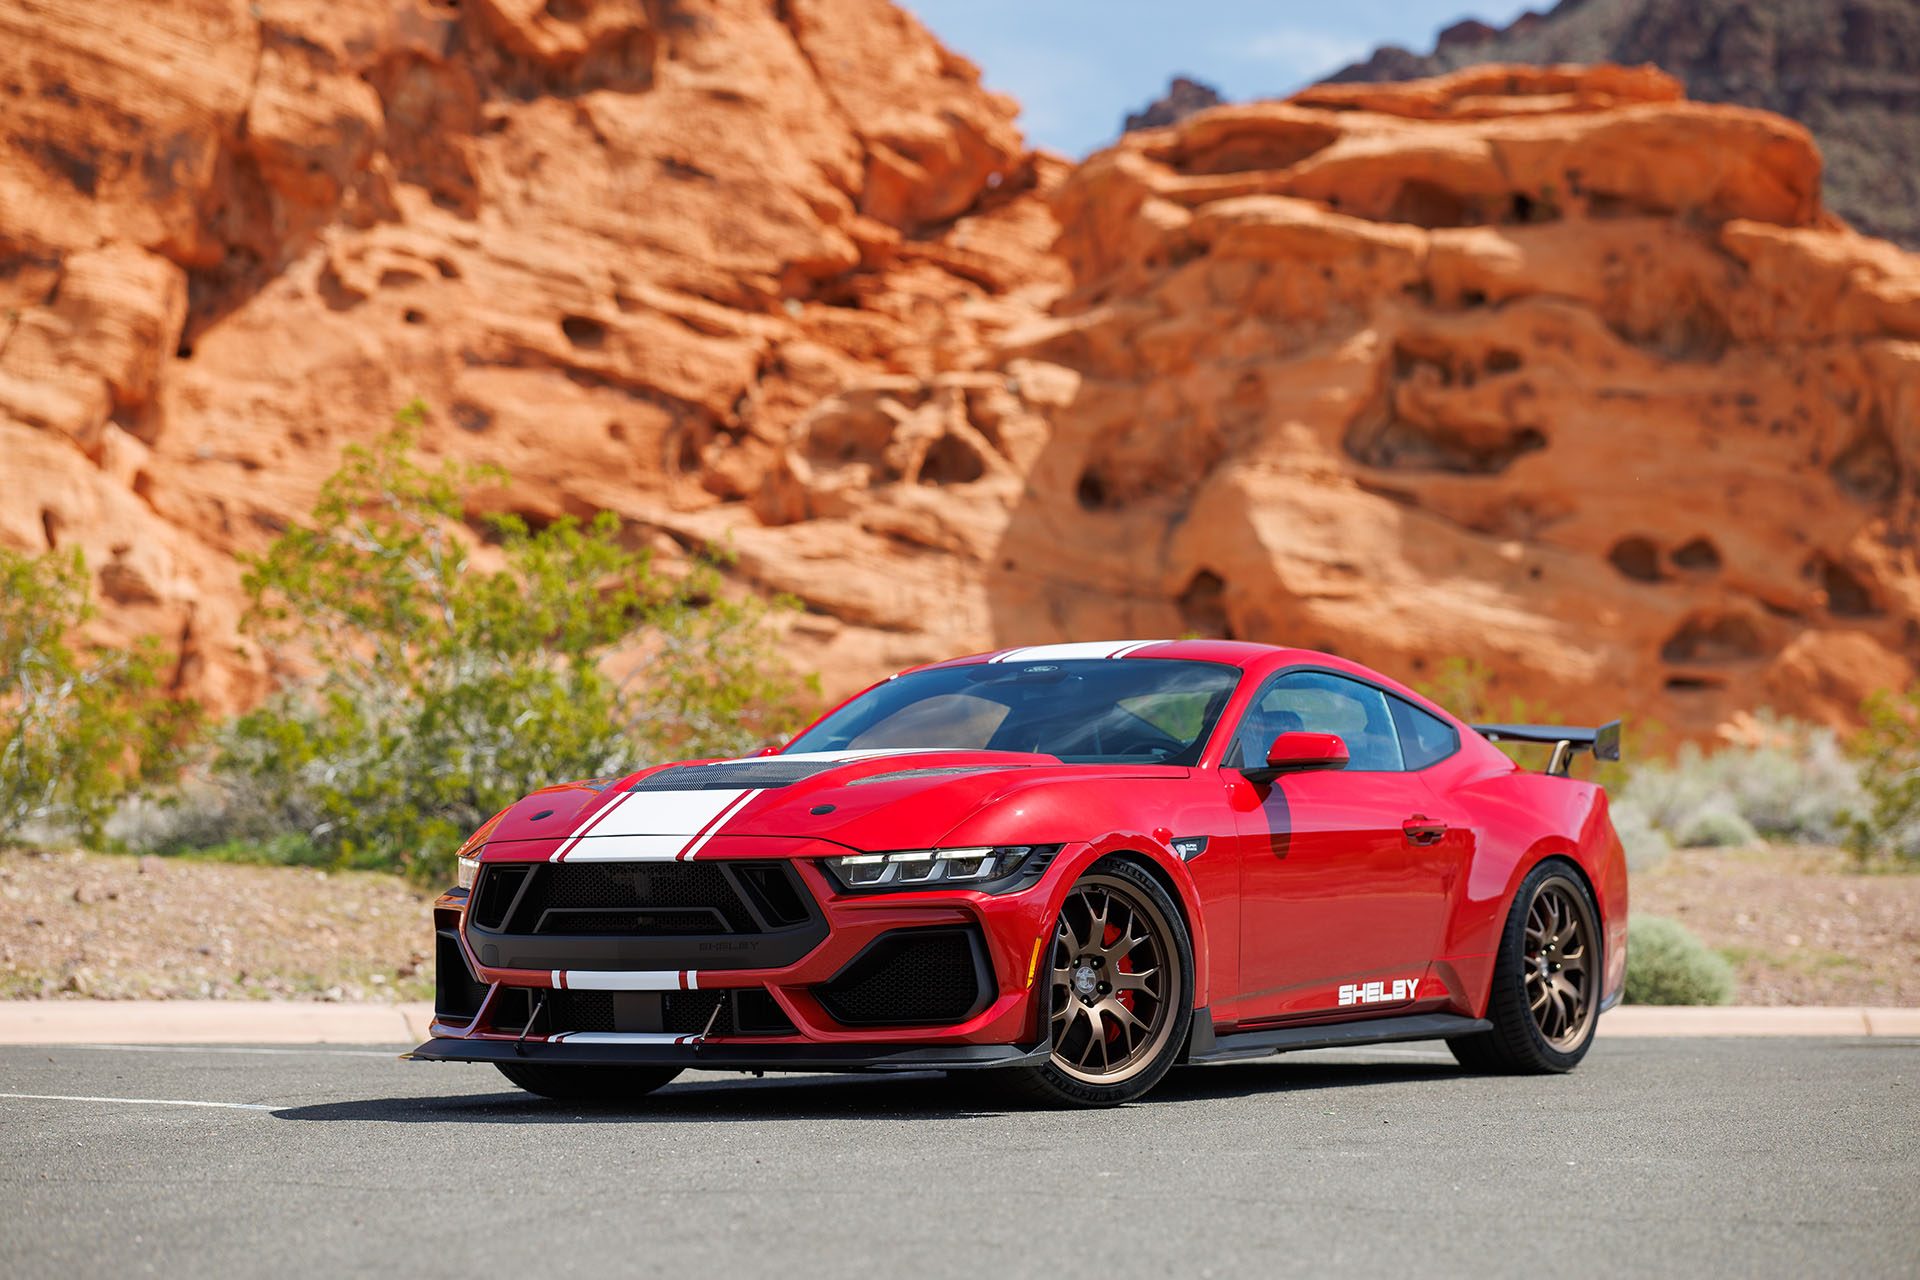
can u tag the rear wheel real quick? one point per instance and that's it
(1119, 991)
(586, 1084)
(1545, 1002)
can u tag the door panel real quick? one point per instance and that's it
(1339, 889)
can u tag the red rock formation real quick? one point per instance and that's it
(1545, 367)
(1548, 367)
(619, 246)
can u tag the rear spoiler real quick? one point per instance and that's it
(1604, 742)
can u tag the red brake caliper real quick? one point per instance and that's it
(1124, 965)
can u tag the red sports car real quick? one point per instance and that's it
(1074, 864)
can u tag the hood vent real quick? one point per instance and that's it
(743, 775)
(931, 771)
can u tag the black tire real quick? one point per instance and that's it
(1519, 1043)
(586, 1084)
(1060, 1083)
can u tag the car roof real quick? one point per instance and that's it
(1236, 653)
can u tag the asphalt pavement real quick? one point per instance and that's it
(1698, 1157)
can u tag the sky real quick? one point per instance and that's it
(1078, 66)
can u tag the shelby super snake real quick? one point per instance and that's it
(1074, 865)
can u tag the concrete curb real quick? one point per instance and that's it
(210, 1022)
(302, 1022)
(1756, 1020)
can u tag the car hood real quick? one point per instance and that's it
(863, 800)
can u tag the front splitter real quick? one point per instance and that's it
(711, 1055)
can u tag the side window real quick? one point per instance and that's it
(1424, 739)
(1319, 702)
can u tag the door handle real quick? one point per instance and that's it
(1422, 830)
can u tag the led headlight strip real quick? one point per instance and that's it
(914, 868)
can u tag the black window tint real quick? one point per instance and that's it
(1424, 739)
(1319, 702)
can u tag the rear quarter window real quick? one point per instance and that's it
(1424, 739)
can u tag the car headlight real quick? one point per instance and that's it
(929, 868)
(469, 869)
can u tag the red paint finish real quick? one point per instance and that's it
(1322, 893)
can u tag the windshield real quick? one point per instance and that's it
(1100, 711)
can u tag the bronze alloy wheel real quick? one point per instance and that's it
(1555, 963)
(1113, 982)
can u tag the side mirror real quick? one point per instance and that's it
(1299, 752)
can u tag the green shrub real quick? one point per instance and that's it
(445, 690)
(1886, 822)
(1666, 964)
(76, 731)
(1716, 826)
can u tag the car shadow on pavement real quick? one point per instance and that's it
(920, 1095)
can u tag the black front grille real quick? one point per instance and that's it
(718, 914)
(638, 898)
(911, 977)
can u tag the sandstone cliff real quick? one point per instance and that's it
(619, 245)
(1847, 69)
(1550, 368)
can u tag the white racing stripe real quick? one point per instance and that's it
(143, 1102)
(626, 849)
(859, 754)
(627, 979)
(666, 813)
(665, 826)
(1070, 652)
(713, 828)
(619, 1037)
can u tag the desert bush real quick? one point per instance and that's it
(1666, 964)
(1797, 784)
(1886, 821)
(77, 730)
(1647, 846)
(442, 690)
(1717, 826)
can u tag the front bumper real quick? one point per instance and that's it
(482, 1015)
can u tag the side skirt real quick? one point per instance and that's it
(1257, 1044)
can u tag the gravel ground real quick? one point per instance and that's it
(1799, 927)
(89, 924)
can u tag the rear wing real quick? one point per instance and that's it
(1604, 742)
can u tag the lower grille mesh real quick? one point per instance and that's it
(914, 977)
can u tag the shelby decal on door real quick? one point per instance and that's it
(1378, 992)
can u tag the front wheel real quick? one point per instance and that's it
(1119, 991)
(1547, 977)
(586, 1084)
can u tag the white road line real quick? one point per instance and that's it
(201, 1048)
(143, 1102)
